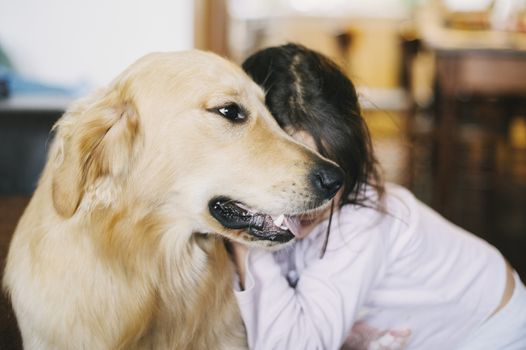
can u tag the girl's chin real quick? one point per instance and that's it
(306, 225)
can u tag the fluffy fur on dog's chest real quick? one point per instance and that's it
(126, 289)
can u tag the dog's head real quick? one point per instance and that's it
(188, 134)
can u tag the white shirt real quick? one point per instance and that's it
(404, 279)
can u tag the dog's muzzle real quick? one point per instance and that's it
(325, 180)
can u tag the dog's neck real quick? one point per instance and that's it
(189, 280)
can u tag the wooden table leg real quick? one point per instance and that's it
(447, 133)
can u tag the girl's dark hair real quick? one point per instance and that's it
(308, 92)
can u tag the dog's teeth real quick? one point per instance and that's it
(293, 225)
(279, 220)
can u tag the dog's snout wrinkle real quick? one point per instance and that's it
(326, 179)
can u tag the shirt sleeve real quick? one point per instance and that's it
(320, 311)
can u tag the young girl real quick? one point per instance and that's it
(380, 270)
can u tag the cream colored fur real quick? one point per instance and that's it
(115, 249)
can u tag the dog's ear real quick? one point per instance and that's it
(94, 141)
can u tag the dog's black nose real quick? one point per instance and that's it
(327, 179)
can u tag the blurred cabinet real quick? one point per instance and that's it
(480, 90)
(464, 74)
(481, 64)
(25, 125)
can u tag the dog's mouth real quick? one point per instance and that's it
(238, 216)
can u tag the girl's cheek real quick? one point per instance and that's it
(300, 227)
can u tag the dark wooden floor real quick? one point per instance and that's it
(10, 210)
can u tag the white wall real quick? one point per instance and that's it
(91, 41)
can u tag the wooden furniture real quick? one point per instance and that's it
(469, 64)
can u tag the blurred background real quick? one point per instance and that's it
(442, 86)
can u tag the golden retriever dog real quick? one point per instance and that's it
(122, 244)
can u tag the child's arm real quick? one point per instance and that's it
(320, 311)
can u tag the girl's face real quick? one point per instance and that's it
(308, 222)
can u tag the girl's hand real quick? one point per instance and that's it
(238, 252)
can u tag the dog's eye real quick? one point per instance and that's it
(232, 112)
